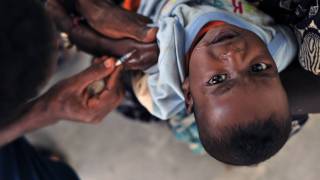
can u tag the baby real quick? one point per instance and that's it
(220, 59)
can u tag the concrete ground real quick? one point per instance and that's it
(119, 149)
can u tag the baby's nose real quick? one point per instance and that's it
(232, 54)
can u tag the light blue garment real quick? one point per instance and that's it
(177, 30)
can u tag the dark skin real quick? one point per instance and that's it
(70, 100)
(303, 98)
(233, 79)
(121, 23)
(101, 34)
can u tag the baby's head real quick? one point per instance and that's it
(234, 90)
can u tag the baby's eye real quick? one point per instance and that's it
(216, 79)
(259, 67)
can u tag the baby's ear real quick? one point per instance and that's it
(187, 95)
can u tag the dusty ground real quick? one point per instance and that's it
(119, 149)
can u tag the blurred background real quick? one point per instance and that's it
(121, 149)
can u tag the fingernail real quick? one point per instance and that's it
(107, 64)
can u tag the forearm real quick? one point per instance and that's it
(34, 117)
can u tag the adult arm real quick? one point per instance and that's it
(69, 100)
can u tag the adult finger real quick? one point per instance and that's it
(113, 91)
(113, 21)
(86, 38)
(90, 41)
(114, 78)
(99, 60)
(94, 73)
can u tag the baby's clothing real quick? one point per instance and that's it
(179, 21)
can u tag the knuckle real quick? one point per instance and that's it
(97, 120)
(89, 119)
(111, 59)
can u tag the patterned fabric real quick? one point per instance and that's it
(298, 122)
(283, 11)
(308, 34)
(304, 17)
(185, 130)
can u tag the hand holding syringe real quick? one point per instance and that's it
(98, 86)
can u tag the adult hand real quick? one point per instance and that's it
(93, 42)
(71, 100)
(112, 21)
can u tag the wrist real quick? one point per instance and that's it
(33, 116)
(49, 108)
(39, 115)
(46, 110)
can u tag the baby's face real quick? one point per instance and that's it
(233, 78)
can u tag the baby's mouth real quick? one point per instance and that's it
(224, 35)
